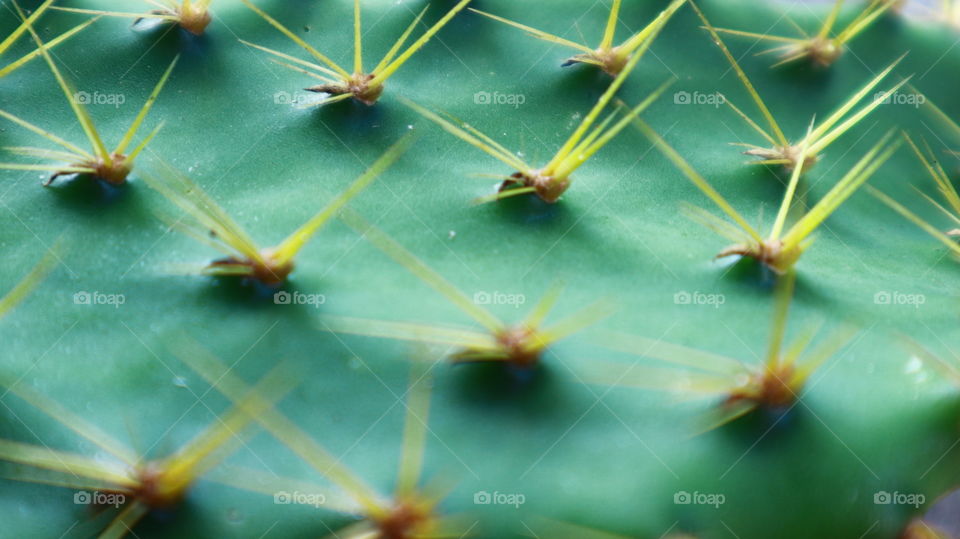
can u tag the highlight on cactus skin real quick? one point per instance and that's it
(133, 484)
(520, 345)
(209, 224)
(741, 387)
(337, 82)
(410, 511)
(948, 367)
(783, 152)
(112, 167)
(823, 48)
(15, 35)
(781, 249)
(553, 179)
(191, 15)
(611, 59)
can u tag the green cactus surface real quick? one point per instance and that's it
(113, 329)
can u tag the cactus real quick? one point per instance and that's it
(822, 48)
(340, 84)
(22, 28)
(568, 359)
(191, 16)
(112, 167)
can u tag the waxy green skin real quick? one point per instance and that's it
(871, 420)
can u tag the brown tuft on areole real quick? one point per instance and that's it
(404, 521)
(358, 86)
(769, 388)
(823, 51)
(269, 273)
(547, 187)
(769, 252)
(114, 173)
(153, 491)
(515, 342)
(194, 19)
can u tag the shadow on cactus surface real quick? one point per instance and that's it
(93, 336)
